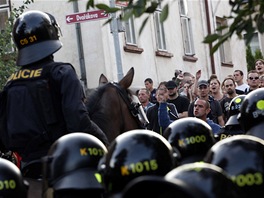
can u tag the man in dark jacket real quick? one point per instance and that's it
(162, 113)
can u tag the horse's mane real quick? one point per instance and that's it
(94, 97)
(96, 94)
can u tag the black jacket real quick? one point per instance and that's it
(45, 101)
(153, 117)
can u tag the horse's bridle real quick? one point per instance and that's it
(135, 108)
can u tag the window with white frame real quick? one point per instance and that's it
(160, 34)
(4, 10)
(186, 29)
(3, 3)
(4, 15)
(130, 32)
(225, 48)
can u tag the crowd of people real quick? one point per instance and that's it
(184, 89)
(204, 138)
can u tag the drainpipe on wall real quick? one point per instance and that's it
(114, 31)
(209, 32)
(80, 48)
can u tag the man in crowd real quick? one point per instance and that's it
(182, 103)
(162, 113)
(252, 80)
(149, 86)
(203, 93)
(230, 89)
(201, 110)
(144, 96)
(240, 85)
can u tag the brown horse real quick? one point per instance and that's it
(114, 107)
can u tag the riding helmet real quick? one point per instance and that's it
(71, 163)
(242, 157)
(132, 154)
(11, 180)
(36, 36)
(191, 136)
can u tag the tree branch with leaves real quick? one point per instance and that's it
(7, 49)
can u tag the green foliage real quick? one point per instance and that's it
(251, 58)
(258, 54)
(247, 18)
(134, 8)
(7, 55)
(7, 49)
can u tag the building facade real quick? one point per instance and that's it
(94, 47)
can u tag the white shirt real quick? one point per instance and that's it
(242, 87)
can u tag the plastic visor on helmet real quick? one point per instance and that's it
(234, 109)
(252, 109)
(11, 180)
(191, 136)
(36, 35)
(241, 157)
(207, 178)
(133, 154)
(72, 163)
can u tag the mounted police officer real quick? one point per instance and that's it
(44, 99)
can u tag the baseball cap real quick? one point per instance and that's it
(171, 84)
(203, 82)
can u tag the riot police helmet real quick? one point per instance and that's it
(36, 35)
(132, 154)
(191, 136)
(72, 162)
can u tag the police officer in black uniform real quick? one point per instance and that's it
(45, 99)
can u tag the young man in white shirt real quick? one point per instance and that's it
(240, 85)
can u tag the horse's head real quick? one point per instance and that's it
(114, 107)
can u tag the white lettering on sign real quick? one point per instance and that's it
(86, 16)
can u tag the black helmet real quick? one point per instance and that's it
(234, 109)
(242, 157)
(210, 179)
(71, 163)
(252, 109)
(132, 154)
(12, 182)
(191, 136)
(158, 187)
(36, 35)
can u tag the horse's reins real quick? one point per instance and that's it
(131, 105)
